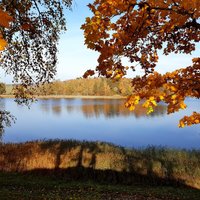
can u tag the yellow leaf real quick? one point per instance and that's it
(150, 110)
(181, 124)
(146, 104)
(151, 98)
(161, 97)
(174, 101)
(126, 104)
(154, 103)
(98, 21)
(182, 105)
(136, 99)
(172, 27)
(173, 88)
(131, 108)
(117, 77)
(3, 44)
(173, 96)
(97, 13)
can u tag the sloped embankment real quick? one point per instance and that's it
(104, 161)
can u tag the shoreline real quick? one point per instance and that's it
(69, 97)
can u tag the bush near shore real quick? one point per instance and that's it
(103, 162)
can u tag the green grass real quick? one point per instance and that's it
(30, 186)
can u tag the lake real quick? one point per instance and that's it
(100, 120)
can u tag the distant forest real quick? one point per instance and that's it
(85, 87)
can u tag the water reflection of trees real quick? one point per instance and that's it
(114, 110)
(5, 118)
(56, 109)
(53, 105)
(45, 106)
(96, 108)
(111, 109)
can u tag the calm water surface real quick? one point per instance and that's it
(102, 120)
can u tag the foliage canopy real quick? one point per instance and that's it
(29, 33)
(138, 30)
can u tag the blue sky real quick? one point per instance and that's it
(74, 58)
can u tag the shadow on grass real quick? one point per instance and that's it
(103, 162)
(106, 177)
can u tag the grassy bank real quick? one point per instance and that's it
(103, 162)
(32, 186)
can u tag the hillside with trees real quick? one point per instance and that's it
(2, 88)
(83, 87)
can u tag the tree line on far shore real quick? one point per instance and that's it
(80, 86)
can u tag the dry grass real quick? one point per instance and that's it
(181, 166)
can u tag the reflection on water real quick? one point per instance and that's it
(6, 118)
(95, 108)
(113, 110)
(100, 119)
